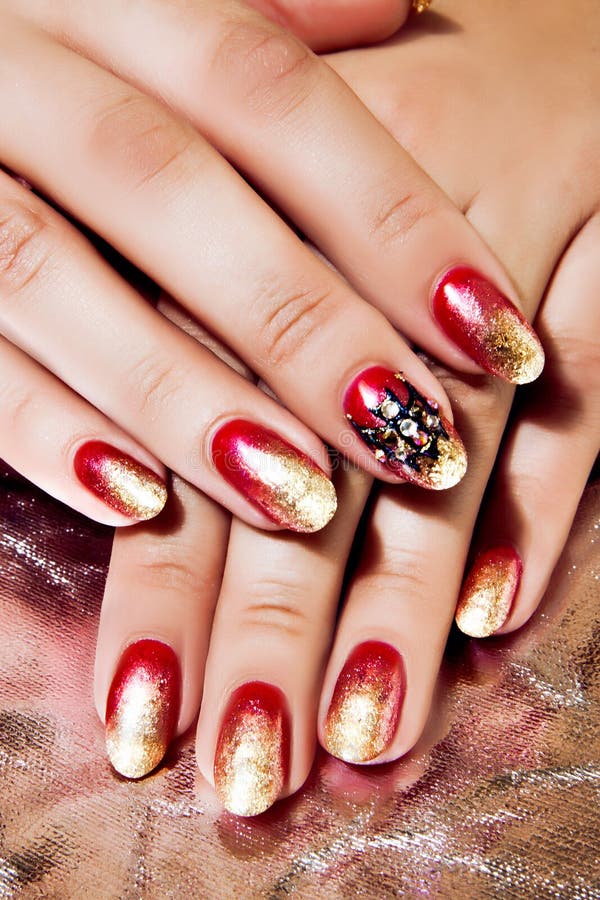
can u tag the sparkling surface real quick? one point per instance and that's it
(414, 443)
(498, 800)
(365, 708)
(251, 755)
(487, 326)
(489, 591)
(123, 483)
(282, 482)
(142, 708)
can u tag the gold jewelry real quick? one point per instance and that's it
(420, 6)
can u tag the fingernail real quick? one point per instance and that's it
(142, 707)
(489, 591)
(120, 481)
(365, 708)
(403, 430)
(284, 483)
(252, 756)
(487, 326)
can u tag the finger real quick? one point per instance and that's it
(365, 203)
(154, 627)
(256, 732)
(336, 24)
(380, 680)
(555, 440)
(145, 374)
(70, 450)
(288, 315)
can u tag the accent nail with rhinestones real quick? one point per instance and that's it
(405, 431)
(252, 755)
(142, 707)
(489, 591)
(487, 326)
(120, 481)
(365, 708)
(277, 478)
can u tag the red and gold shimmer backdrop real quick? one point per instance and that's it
(500, 800)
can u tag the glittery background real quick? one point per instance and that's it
(500, 800)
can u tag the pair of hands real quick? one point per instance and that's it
(277, 601)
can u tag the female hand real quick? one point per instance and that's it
(131, 118)
(278, 599)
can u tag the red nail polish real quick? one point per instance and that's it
(253, 750)
(489, 591)
(142, 707)
(404, 431)
(487, 326)
(284, 483)
(120, 481)
(365, 708)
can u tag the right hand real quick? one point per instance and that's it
(127, 116)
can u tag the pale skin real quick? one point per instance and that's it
(517, 153)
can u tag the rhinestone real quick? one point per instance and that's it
(380, 455)
(408, 428)
(389, 409)
(432, 421)
(390, 438)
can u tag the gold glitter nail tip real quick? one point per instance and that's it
(252, 756)
(367, 700)
(142, 708)
(277, 478)
(487, 326)
(120, 481)
(489, 592)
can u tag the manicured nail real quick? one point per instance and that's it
(252, 756)
(142, 707)
(284, 483)
(365, 708)
(487, 326)
(120, 481)
(489, 591)
(404, 431)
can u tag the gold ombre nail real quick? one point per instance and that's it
(119, 480)
(365, 708)
(142, 707)
(282, 481)
(487, 326)
(489, 591)
(252, 756)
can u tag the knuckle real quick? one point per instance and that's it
(152, 383)
(141, 140)
(272, 70)
(24, 246)
(168, 573)
(392, 219)
(276, 605)
(400, 573)
(290, 320)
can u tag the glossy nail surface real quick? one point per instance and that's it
(252, 755)
(284, 483)
(489, 591)
(403, 430)
(120, 481)
(142, 707)
(365, 708)
(487, 326)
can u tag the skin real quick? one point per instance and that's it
(138, 136)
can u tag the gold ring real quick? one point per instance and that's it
(420, 6)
